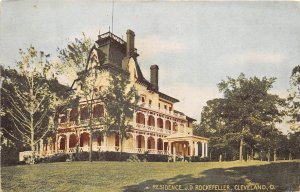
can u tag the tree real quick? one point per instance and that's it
(245, 111)
(75, 60)
(212, 126)
(294, 99)
(120, 101)
(29, 102)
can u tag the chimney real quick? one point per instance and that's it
(130, 43)
(154, 76)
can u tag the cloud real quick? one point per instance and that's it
(256, 57)
(151, 45)
(192, 98)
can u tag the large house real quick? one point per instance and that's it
(157, 127)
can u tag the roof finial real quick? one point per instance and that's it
(112, 16)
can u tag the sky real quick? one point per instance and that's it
(195, 44)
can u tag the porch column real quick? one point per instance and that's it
(104, 142)
(202, 145)
(206, 149)
(134, 141)
(134, 119)
(174, 152)
(169, 147)
(68, 114)
(68, 142)
(163, 124)
(79, 113)
(155, 144)
(56, 144)
(146, 120)
(196, 149)
(146, 142)
(191, 148)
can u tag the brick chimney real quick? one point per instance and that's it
(130, 43)
(154, 76)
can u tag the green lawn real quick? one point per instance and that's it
(125, 176)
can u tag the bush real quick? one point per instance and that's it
(157, 158)
(199, 159)
(55, 158)
(133, 158)
(9, 156)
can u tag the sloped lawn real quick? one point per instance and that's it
(125, 176)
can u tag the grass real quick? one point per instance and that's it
(125, 176)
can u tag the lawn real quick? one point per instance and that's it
(146, 176)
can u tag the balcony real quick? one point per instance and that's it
(151, 128)
(161, 110)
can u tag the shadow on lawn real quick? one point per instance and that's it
(283, 175)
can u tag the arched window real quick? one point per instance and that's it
(168, 124)
(73, 141)
(151, 121)
(160, 123)
(98, 111)
(117, 138)
(84, 139)
(63, 119)
(159, 144)
(84, 114)
(73, 114)
(140, 118)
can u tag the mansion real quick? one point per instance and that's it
(157, 127)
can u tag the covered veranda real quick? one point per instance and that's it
(182, 145)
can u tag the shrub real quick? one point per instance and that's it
(9, 156)
(84, 156)
(133, 158)
(199, 159)
(55, 158)
(157, 158)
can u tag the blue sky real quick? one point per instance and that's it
(195, 44)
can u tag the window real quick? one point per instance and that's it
(165, 107)
(117, 140)
(159, 105)
(143, 99)
(84, 113)
(150, 102)
(170, 108)
(98, 111)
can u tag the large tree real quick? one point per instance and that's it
(120, 101)
(30, 104)
(246, 110)
(76, 63)
(294, 99)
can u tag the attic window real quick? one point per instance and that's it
(150, 102)
(165, 107)
(143, 99)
